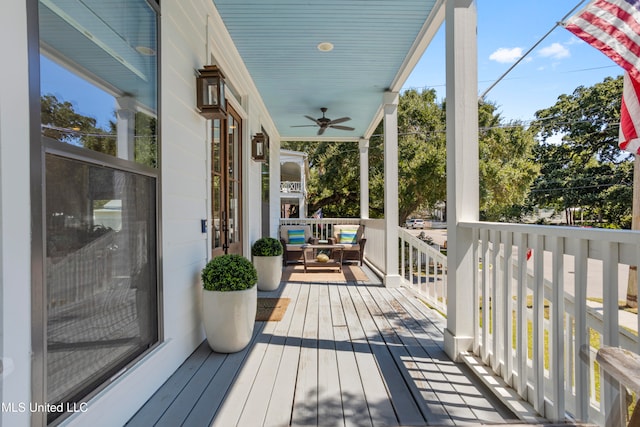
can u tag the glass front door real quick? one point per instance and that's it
(226, 185)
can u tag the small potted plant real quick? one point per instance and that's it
(267, 258)
(229, 302)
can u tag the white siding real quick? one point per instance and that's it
(15, 214)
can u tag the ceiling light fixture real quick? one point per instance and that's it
(145, 50)
(325, 47)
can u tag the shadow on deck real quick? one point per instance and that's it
(343, 354)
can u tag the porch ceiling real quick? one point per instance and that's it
(376, 45)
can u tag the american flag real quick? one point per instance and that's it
(613, 27)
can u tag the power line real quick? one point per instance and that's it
(530, 50)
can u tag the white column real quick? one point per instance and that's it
(390, 100)
(22, 364)
(126, 129)
(462, 169)
(364, 178)
(275, 201)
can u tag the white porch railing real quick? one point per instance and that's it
(374, 231)
(290, 187)
(424, 269)
(542, 328)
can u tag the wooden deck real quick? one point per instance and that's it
(344, 354)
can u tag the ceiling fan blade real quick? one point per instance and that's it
(340, 120)
(312, 119)
(341, 127)
(304, 126)
(321, 130)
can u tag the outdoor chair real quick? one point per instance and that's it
(353, 240)
(292, 238)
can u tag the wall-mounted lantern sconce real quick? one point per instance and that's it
(210, 93)
(259, 147)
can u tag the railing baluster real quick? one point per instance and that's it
(582, 354)
(556, 334)
(538, 327)
(568, 362)
(476, 291)
(496, 301)
(403, 248)
(485, 295)
(610, 387)
(522, 332)
(507, 310)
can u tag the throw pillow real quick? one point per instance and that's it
(348, 236)
(296, 237)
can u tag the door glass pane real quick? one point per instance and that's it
(231, 141)
(216, 197)
(234, 222)
(100, 274)
(216, 155)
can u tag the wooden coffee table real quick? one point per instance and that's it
(310, 253)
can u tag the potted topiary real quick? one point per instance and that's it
(229, 302)
(267, 258)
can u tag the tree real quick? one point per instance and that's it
(506, 170)
(335, 175)
(62, 123)
(586, 171)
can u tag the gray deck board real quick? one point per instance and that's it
(353, 354)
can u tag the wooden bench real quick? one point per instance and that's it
(624, 366)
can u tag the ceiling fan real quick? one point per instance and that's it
(324, 122)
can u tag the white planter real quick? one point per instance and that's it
(229, 318)
(269, 270)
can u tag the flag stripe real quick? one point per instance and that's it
(630, 115)
(613, 27)
(609, 51)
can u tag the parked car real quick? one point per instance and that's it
(418, 223)
(409, 223)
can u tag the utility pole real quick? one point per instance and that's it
(632, 283)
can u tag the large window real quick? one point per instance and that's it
(100, 274)
(99, 290)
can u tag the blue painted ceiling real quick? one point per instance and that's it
(278, 41)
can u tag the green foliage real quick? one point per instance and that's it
(506, 170)
(506, 167)
(62, 123)
(229, 273)
(588, 119)
(267, 246)
(586, 172)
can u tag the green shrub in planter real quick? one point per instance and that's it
(229, 273)
(266, 246)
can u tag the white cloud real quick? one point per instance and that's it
(555, 51)
(506, 55)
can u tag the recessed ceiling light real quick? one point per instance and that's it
(145, 50)
(325, 47)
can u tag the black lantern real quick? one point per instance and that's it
(210, 93)
(259, 147)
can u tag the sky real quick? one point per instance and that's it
(506, 30)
